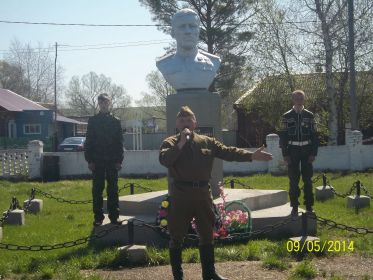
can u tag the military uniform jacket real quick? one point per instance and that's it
(104, 139)
(194, 161)
(298, 128)
(189, 72)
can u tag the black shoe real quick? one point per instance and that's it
(206, 253)
(116, 222)
(294, 211)
(176, 261)
(97, 223)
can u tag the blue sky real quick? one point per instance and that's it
(127, 66)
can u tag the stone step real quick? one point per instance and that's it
(261, 219)
(148, 203)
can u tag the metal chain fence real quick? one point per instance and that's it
(234, 237)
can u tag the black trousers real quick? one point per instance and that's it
(299, 165)
(105, 170)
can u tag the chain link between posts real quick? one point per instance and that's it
(234, 237)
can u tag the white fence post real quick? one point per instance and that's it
(355, 142)
(35, 152)
(273, 147)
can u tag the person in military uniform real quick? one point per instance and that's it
(103, 150)
(299, 143)
(189, 158)
(188, 67)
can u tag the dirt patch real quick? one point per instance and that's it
(346, 267)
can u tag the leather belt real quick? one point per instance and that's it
(299, 143)
(193, 184)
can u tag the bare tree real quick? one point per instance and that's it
(37, 66)
(159, 90)
(82, 93)
(12, 78)
(329, 46)
(275, 47)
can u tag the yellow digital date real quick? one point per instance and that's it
(317, 246)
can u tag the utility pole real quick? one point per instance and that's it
(55, 134)
(351, 56)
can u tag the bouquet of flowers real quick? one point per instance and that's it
(232, 217)
(235, 216)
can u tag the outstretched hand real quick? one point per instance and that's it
(259, 154)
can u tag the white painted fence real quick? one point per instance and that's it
(13, 163)
(353, 156)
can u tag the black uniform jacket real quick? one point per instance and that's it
(298, 128)
(104, 139)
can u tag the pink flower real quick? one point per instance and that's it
(162, 213)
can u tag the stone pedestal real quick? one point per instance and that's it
(354, 201)
(324, 193)
(207, 107)
(136, 253)
(16, 217)
(35, 206)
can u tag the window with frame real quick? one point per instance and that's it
(31, 128)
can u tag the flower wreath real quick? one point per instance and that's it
(232, 217)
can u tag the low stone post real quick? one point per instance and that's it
(35, 152)
(324, 192)
(16, 217)
(34, 206)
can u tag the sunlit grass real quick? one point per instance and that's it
(61, 222)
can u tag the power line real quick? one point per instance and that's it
(67, 48)
(80, 24)
(137, 25)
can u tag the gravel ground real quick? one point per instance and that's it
(345, 267)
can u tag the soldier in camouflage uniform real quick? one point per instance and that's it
(104, 153)
(299, 143)
(189, 158)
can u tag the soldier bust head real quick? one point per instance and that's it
(188, 67)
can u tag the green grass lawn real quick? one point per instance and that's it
(60, 222)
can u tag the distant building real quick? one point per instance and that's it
(22, 120)
(252, 127)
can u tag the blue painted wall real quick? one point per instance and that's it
(44, 118)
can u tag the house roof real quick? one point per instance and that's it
(68, 120)
(14, 102)
(311, 83)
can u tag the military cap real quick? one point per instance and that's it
(103, 96)
(185, 111)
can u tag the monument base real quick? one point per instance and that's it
(207, 107)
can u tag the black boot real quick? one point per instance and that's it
(206, 253)
(176, 260)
